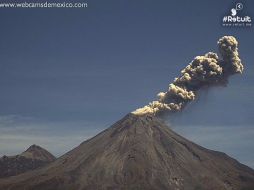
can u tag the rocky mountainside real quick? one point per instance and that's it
(34, 157)
(137, 153)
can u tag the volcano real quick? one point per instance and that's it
(34, 157)
(141, 153)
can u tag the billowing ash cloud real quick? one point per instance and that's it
(204, 71)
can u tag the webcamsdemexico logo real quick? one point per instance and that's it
(237, 17)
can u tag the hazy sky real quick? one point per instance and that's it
(66, 74)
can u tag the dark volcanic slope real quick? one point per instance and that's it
(141, 153)
(34, 157)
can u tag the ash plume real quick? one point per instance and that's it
(204, 71)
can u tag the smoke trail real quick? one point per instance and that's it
(203, 71)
